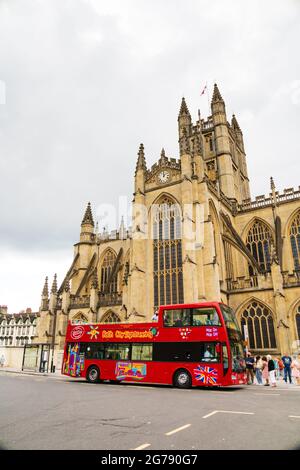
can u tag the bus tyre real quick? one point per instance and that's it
(93, 375)
(182, 379)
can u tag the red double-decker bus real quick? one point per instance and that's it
(189, 345)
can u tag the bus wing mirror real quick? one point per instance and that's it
(218, 348)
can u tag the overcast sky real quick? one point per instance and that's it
(83, 82)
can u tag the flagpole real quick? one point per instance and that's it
(208, 101)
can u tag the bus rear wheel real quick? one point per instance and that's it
(182, 379)
(93, 375)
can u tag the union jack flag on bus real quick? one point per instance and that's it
(206, 375)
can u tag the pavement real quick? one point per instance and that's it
(39, 412)
(58, 375)
(11, 370)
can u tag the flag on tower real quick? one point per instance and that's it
(203, 91)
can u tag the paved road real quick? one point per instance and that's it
(38, 412)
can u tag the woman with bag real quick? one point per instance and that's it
(296, 370)
(258, 370)
(265, 371)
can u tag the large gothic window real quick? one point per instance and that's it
(167, 253)
(295, 240)
(297, 319)
(260, 325)
(106, 269)
(110, 317)
(258, 241)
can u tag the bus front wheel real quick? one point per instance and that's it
(93, 375)
(182, 379)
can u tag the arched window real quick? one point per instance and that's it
(295, 240)
(167, 253)
(260, 325)
(258, 242)
(79, 318)
(110, 317)
(297, 319)
(106, 269)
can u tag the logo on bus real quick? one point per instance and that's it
(77, 332)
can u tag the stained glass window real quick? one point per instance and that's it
(167, 253)
(260, 325)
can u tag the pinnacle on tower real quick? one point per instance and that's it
(163, 155)
(141, 161)
(184, 108)
(45, 292)
(216, 94)
(272, 184)
(54, 285)
(122, 229)
(235, 124)
(88, 216)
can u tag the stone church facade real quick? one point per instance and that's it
(196, 235)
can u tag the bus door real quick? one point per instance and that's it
(224, 358)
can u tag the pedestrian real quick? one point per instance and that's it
(250, 368)
(2, 360)
(287, 362)
(275, 360)
(296, 370)
(271, 369)
(281, 367)
(265, 371)
(258, 370)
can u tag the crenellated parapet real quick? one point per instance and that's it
(288, 195)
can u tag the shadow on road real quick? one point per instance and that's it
(160, 386)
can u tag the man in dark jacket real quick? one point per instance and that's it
(287, 361)
(250, 368)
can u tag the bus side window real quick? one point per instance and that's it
(177, 317)
(209, 352)
(205, 317)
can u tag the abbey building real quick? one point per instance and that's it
(245, 252)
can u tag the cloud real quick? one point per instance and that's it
(87, 80)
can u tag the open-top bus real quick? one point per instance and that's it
(196, 344)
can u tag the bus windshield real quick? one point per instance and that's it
(229, 318)
(235, 339)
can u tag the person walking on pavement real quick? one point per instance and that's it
(276, 367)
(258, 370)
(287, 362)
(281, 367)
(296, 370)
(250, 368)
(271, 369)
(2, 360)
(265, 371)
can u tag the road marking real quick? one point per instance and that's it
(268, 394)
(177, 430)
(223, 411)
(143, 446)
(290, 389)
(181, 390)
(291, 416)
